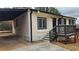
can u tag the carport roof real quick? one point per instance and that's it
(10, 13)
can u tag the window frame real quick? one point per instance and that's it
(43, 22)
(71, 22)
(65, 21)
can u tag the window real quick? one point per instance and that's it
(41, 23)
(71, 22)
(64, 21)
(59, 21)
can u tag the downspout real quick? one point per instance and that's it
(31, 25)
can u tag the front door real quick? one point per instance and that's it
(54, 23)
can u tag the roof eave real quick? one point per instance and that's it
(53, 14)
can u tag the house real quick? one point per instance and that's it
(34, 25)
(77, 27)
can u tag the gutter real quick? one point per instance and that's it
(31, 25)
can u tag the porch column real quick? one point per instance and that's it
(74, 21)
(29, 25)
(13, 27)
(57, 23)
(67, 21)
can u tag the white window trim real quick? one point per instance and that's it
(42, 24)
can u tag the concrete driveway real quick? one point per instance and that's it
(18, 44)
(41, 46)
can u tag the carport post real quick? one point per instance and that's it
(30, 24)
(13, 27)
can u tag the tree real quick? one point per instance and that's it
(41, 8)
(48, 9)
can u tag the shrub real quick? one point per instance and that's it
(5, 26)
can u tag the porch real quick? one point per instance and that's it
(66, 31)
(63, 27)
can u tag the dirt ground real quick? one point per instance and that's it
(69, 46)
(10, 43)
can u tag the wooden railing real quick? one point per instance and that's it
(61, 29)
(66, 29)
(52, 33)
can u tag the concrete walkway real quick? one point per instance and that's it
(18, 44)
(42, 46)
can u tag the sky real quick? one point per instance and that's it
(70, 11)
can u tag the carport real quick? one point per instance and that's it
(12, 15)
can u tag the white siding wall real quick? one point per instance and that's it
(22, 28)
(39, 34)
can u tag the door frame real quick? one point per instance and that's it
(54, 22)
